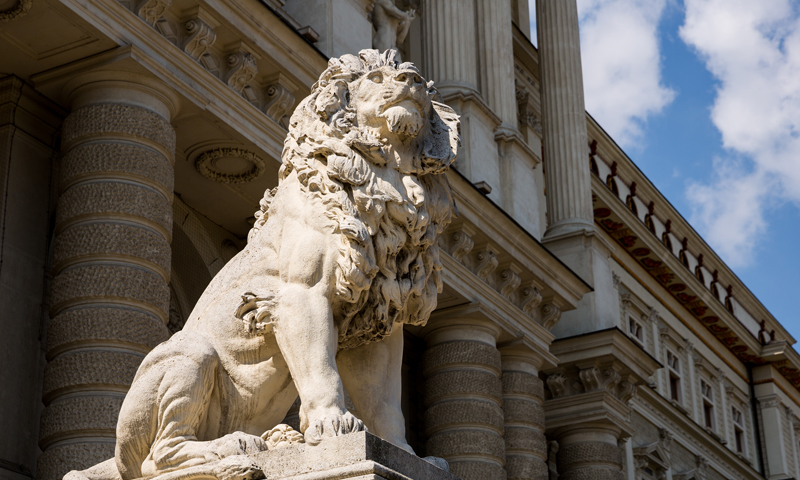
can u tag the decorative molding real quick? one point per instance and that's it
(462, 245)
(279, 103)
(17, 10)
(151, 11)
(509, 281)
(487, 262)
(531, 298)
(198, 43)
(551, 314)
(207, 165)
(242, 70)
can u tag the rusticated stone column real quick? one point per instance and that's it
(523, 394)
(110, 294)
(589, 453)
(569, 194)
(463, 395)
(450, 46)
(588, 409)
(496, 60)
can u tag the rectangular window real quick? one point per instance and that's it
(636, 331)
(708, 404)
(738, 429)
(674, 369)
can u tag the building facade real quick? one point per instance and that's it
(584, 329)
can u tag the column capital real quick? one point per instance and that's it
(461, 323)
(596, 378)
(114, 77)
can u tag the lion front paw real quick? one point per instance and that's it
(282, 436)
(237, 467)
(333, 426)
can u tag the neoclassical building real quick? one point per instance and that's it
(584, 328)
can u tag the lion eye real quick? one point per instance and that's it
(417, 79)
(376, 77)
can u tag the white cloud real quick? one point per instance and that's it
(621, 64)
(753, 50)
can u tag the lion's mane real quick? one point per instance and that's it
(386, 272)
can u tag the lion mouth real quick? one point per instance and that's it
(404, 118)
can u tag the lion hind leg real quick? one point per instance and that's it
(102, 471)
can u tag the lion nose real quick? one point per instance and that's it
(406, 77)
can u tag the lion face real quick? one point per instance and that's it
(393, 101)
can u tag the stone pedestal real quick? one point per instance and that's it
(359, 455)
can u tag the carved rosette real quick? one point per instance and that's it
(230, 165)
(17, 10)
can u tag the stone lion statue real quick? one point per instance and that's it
(342, 254)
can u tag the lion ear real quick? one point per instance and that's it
(331, 99)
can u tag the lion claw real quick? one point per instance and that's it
(333, 426)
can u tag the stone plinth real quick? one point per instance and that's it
(357, 455)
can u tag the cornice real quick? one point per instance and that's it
(628, 171)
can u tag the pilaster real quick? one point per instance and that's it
(111, 260)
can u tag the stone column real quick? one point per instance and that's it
(588, 412)
(110, 295)
(463, 394)
(590, 451)
(569, 194)
(495, 50)
(449, 50)
(523, 394)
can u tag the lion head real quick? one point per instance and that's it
(372, 143)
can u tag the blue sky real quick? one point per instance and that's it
(704, 95)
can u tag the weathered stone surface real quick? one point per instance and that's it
(342, 254)
(349, 456)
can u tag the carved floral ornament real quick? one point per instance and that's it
(229, 165)
(17, 10)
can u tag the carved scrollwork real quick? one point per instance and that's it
(531, 298)
(590, 378)
(242, 69)
(551, 314)
(151, 11)
(557, 384)
(509, 281)
(198, 43)
(626, 391)
(17, 10)
(280, 102)
(462, 245)
(487, 262)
